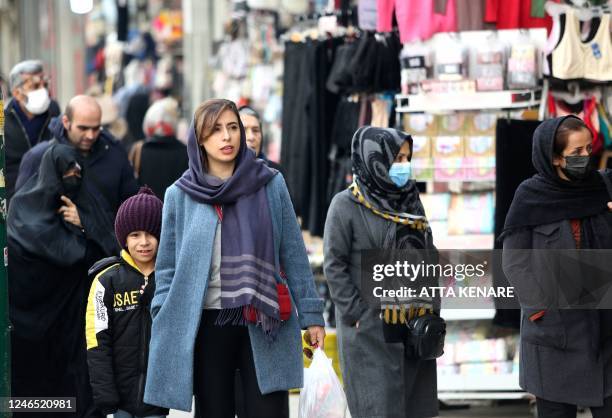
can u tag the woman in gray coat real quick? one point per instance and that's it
(380, 210)
(564, 353)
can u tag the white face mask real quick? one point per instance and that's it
(38, 101)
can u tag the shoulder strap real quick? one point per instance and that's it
(606, 180)
(135, 156)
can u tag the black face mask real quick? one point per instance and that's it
(71, 184)
(577, 167)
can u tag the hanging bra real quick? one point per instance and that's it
(575, 59)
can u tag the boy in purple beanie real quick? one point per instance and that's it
(118, 319)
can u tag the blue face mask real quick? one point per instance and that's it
(400, 173)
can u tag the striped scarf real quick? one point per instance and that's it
(248, 273)
(398, 310)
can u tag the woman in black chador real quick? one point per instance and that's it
(51, 245)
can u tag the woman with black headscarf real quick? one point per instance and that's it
(48, 282)
(380, 210)
(564, 353)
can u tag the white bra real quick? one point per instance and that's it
(591, 59)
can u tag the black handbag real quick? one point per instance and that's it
(425, 340)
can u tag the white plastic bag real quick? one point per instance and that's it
(322, 395)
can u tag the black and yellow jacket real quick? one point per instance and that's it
(118, 329)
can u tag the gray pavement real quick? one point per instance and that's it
(479, 410)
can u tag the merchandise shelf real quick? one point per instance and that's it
(464, 242)
(467, 314)
(481, 100)
(501, 386)
(466, 383)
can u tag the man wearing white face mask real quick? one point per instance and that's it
(27, 116)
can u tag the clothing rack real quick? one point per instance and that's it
(583, 12)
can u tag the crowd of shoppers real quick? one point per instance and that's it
(135, 306)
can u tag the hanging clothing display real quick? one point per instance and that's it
(346, 123)
(586, 110)
(573, 58)
(513, 140)
(308, 115)
(470, 15)
(293, 151)
(416, 19)
(318, 125)
(368, 14)
(340, 79)
(514, 14)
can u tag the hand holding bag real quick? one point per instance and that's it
(322, 395)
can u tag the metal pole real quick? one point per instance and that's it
(5, 342)
(197, 50)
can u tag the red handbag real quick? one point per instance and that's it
(284, 299)
(284, 303)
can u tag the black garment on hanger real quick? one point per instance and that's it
(295, 123)
(308, 115)
(387, 69)
(513, 139)
(340, 80)
(321, 111)
(362, 64)
(346, 123)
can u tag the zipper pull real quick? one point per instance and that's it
(142, 288)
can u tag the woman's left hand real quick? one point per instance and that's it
(69, 212)
(317, 336)
(610, 206)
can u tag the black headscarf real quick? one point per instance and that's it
(373, 153)
(545, 197)
(37, 228)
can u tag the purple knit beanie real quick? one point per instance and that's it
(141, 212)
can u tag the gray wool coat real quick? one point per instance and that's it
(563, 357)
(379, 381)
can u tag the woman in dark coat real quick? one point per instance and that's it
(564, 353)
(380, 210)
(48, 283)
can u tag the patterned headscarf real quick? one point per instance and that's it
(373, 153)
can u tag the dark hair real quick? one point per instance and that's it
(206, 117)
(249, 111)
(564, 130)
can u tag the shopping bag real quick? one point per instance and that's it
(322, 395)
